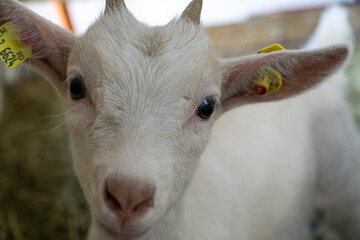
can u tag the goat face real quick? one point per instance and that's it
(136, 133)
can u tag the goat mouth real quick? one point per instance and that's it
(118, 232)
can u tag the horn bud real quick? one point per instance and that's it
(192, 12)
(114, 4)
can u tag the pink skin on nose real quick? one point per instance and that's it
(128, 198)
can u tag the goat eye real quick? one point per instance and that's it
(77, 88)
(206, 108)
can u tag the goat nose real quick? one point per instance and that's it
(129, 198)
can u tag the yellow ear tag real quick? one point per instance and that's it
(13, 50)
(272, 80)
(272, 48)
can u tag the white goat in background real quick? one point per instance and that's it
(155, 158)
(335, 135)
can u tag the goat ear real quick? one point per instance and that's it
(299, 70)
(192, 12)
(50, 44)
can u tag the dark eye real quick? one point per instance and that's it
(77, 88)
(206, 108)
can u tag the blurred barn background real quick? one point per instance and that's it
(39, 195)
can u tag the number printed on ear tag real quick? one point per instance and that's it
(12, 52)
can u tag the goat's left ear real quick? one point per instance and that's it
(298, 71)
(50, 44)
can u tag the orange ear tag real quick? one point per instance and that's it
(272, 80)
(15, 46)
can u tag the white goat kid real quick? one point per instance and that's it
(141, 102)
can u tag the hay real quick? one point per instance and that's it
(40, 197)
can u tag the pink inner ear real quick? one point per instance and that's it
(25, 38)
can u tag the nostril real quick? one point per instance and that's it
(112, 201)
(147, 203)
(128, 198)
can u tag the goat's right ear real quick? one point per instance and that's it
(50, 43)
